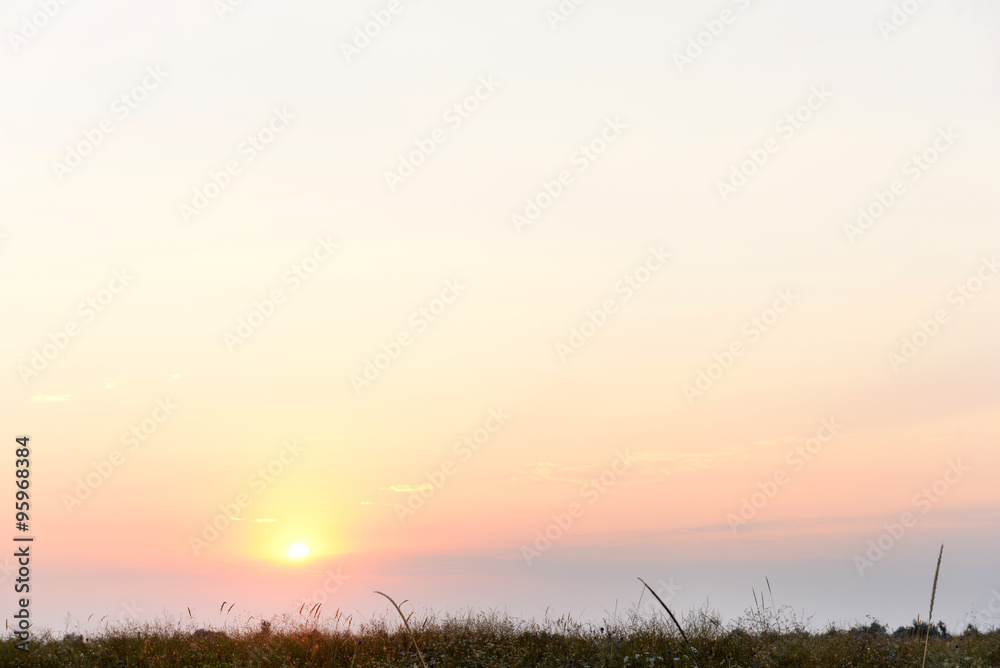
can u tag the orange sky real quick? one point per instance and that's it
(614, 312)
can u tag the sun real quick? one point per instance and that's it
(298, 551)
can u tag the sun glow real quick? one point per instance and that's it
(297, 551)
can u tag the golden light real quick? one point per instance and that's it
(298, 551)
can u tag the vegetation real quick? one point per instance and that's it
(762, 638)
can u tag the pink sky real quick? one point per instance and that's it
(617, 314)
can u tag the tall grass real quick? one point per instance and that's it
(406, 623)
(694, 652)
(930, 613)
(496, 640)
(764, 637)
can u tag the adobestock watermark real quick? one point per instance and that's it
(790, 123)
(713, 29)
(667, 591)
(901, 14)
(562, 12)
(331, 585)
(133, 437)
(130, 612)
(927, 329)
(420, 321)
(33, 24)
(752, 330)
(914, 168)
(365, 33)
(591, 490)
(989, 615)
(225, 7)
(265, 308)
(796, 458)
(454, 117)
(464, 450)
(121, 109)
(248, 150)
(923, 501)
(258, 482)
(58, 341)
(7, 569)
(627, 287)
(551, 190)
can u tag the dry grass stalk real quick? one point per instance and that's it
(930, 614)
(407, 625)
(694, 652)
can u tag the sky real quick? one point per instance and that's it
(500, 306)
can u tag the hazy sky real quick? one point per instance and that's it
(502, 305)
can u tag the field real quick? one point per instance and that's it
(762, 638)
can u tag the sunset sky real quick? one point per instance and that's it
(501, 306)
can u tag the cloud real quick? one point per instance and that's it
(45, 398)
(691, 460)
(650, 463)
(550, 472)
(407, 488)
(777, 441)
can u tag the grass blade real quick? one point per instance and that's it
(407, 625)
(694, 652)
(930, 614)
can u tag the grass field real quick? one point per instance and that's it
(761, 638)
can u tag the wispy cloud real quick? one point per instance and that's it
(658, 461)
(46, 398)
(781, 440)
(550, 472)
(407, 488)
